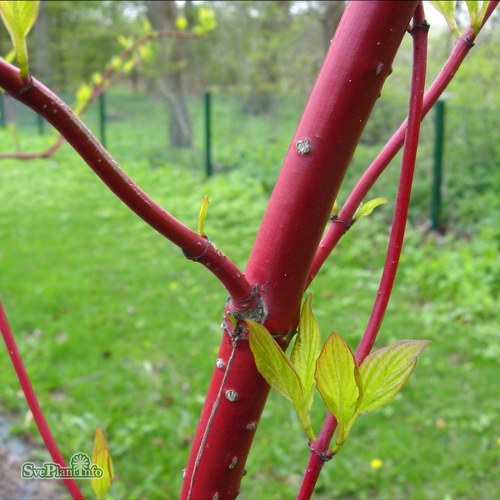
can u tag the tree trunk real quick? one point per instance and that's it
(41, 58)
(331, 12)
(348, 85)
(163, 15)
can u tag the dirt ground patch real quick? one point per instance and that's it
(13, 453)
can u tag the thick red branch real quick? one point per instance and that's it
(59, 114)
(348, 85)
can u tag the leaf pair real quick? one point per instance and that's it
(294, 377)
(346, 388)
(19, 17)
(476, 15)
(349, 389)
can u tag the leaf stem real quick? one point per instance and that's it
(196, 248)
(33, 404)
(419, 33)
(387, 154)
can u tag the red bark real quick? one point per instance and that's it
(320, 448)
(349, 83)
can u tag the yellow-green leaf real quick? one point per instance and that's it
(339, 383)
(447, 8)
(206, 21)
(385, 372)
(476, 16)
(10, 56)
(272, 362)
(83, 93)
(278, 371)
(181, 23)
(129, 66)
(19, 17)
(124, 41)
(102, 458)
(306, 350)
(335, 208)
(145, 51)
(146, 25)
(116, 63)
(202, 215)
(367, 208)
(96, 78)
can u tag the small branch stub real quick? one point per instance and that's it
(303, 147)
(251, 426)
(231, 395)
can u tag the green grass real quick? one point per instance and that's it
(118, 329)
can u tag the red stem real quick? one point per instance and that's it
(347, 87)
(419, 32)
(59, 114)
(372, 173)
(33, 404)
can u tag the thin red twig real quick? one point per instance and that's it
(372, 173)
(319, 449)
(33, 404)
(196, 248)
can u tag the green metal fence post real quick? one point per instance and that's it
(208, 134)
(102, 118)
(437, 173)
(3, 118)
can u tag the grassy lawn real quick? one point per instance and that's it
(118, 329)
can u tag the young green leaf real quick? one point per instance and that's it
(206, 21)
(385, 372)
(116, 63)
(339, 383)
(368, 207)
(129, 66)
(125, 42)
(181, 23)
(202, 216)
(96, 78)
(83, 95)
(278, 371)
(19, 17)
(476, 16)
(10, 56)
(102, 458)
(306, 350)
(447, 8)
(335, 209)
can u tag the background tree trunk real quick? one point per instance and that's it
(329, 16)
(172, 76)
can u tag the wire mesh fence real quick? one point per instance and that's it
(252, 133)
